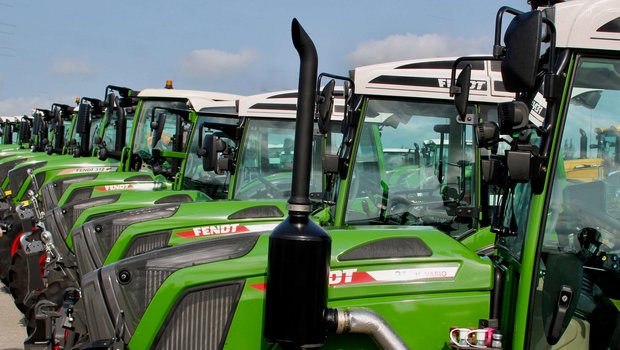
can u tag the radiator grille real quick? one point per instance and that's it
(148, 242)
(153, 279)
(107, 240)
(201, 319)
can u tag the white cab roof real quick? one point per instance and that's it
(282, 104)
(587, 24)
(198, 99)
(429, 78)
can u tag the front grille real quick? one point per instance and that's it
(153, 279)
(147, 243)
(48, 197)
(19, 176)
(76, 212)
(201, 319)
(106, 240)
(40, 178)
(5, 167)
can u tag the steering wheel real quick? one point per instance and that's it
(271, 190)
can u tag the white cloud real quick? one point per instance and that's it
(73, 67)
(24, 105)
(209, 63)
(408, 46)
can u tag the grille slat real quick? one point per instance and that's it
(154, 279)
(148, 242)
(201, 319)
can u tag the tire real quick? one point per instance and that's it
(18, 280)
(6, 243)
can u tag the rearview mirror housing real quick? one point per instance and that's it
(461, 94)
(325, 106)
(211, 146)
(523, 39)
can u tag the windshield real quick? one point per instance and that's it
(195, 177)
(414, 166)
(67, 130)
(265, 167)
(144, 133)
(110, 132)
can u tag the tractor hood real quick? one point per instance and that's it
(62, 219)
(369, 263)
(114, 237)
(63, 190)
(64, 166)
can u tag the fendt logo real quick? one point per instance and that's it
(225, 229)
(106, 169)
(217, 230)
(473, 85)
(115, 187)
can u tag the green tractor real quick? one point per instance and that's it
(109, 140)
(551, 282)
(255, 173)
(177, 126)
(388, 235)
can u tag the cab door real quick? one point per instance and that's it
(573, 292)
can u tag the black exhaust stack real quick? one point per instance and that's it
(299, 249)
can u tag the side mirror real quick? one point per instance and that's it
(462, 94)
(523, 39)
(325, 106)
(211, 145)
(158, 128)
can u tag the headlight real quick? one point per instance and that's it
(94, 240)
(17, 177)
(130, 284)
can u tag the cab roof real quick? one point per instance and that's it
(198, 99)
(586, 24)
(282, 104)
(429, 78)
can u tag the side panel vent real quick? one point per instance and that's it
(201, 319)
(397, 247)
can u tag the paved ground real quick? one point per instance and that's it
(12, 332)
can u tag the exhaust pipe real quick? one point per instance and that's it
(299, 249)
(367, 322)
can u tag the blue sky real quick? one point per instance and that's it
(54, 51)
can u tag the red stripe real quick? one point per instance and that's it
(215, 230)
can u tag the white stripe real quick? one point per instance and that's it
(414, 274)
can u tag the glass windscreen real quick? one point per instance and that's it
(266, 161)
(143, 141)
(414, 166)
(212, 183)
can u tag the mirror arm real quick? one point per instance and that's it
(498, 49)
(454, 90)
(332, 76)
